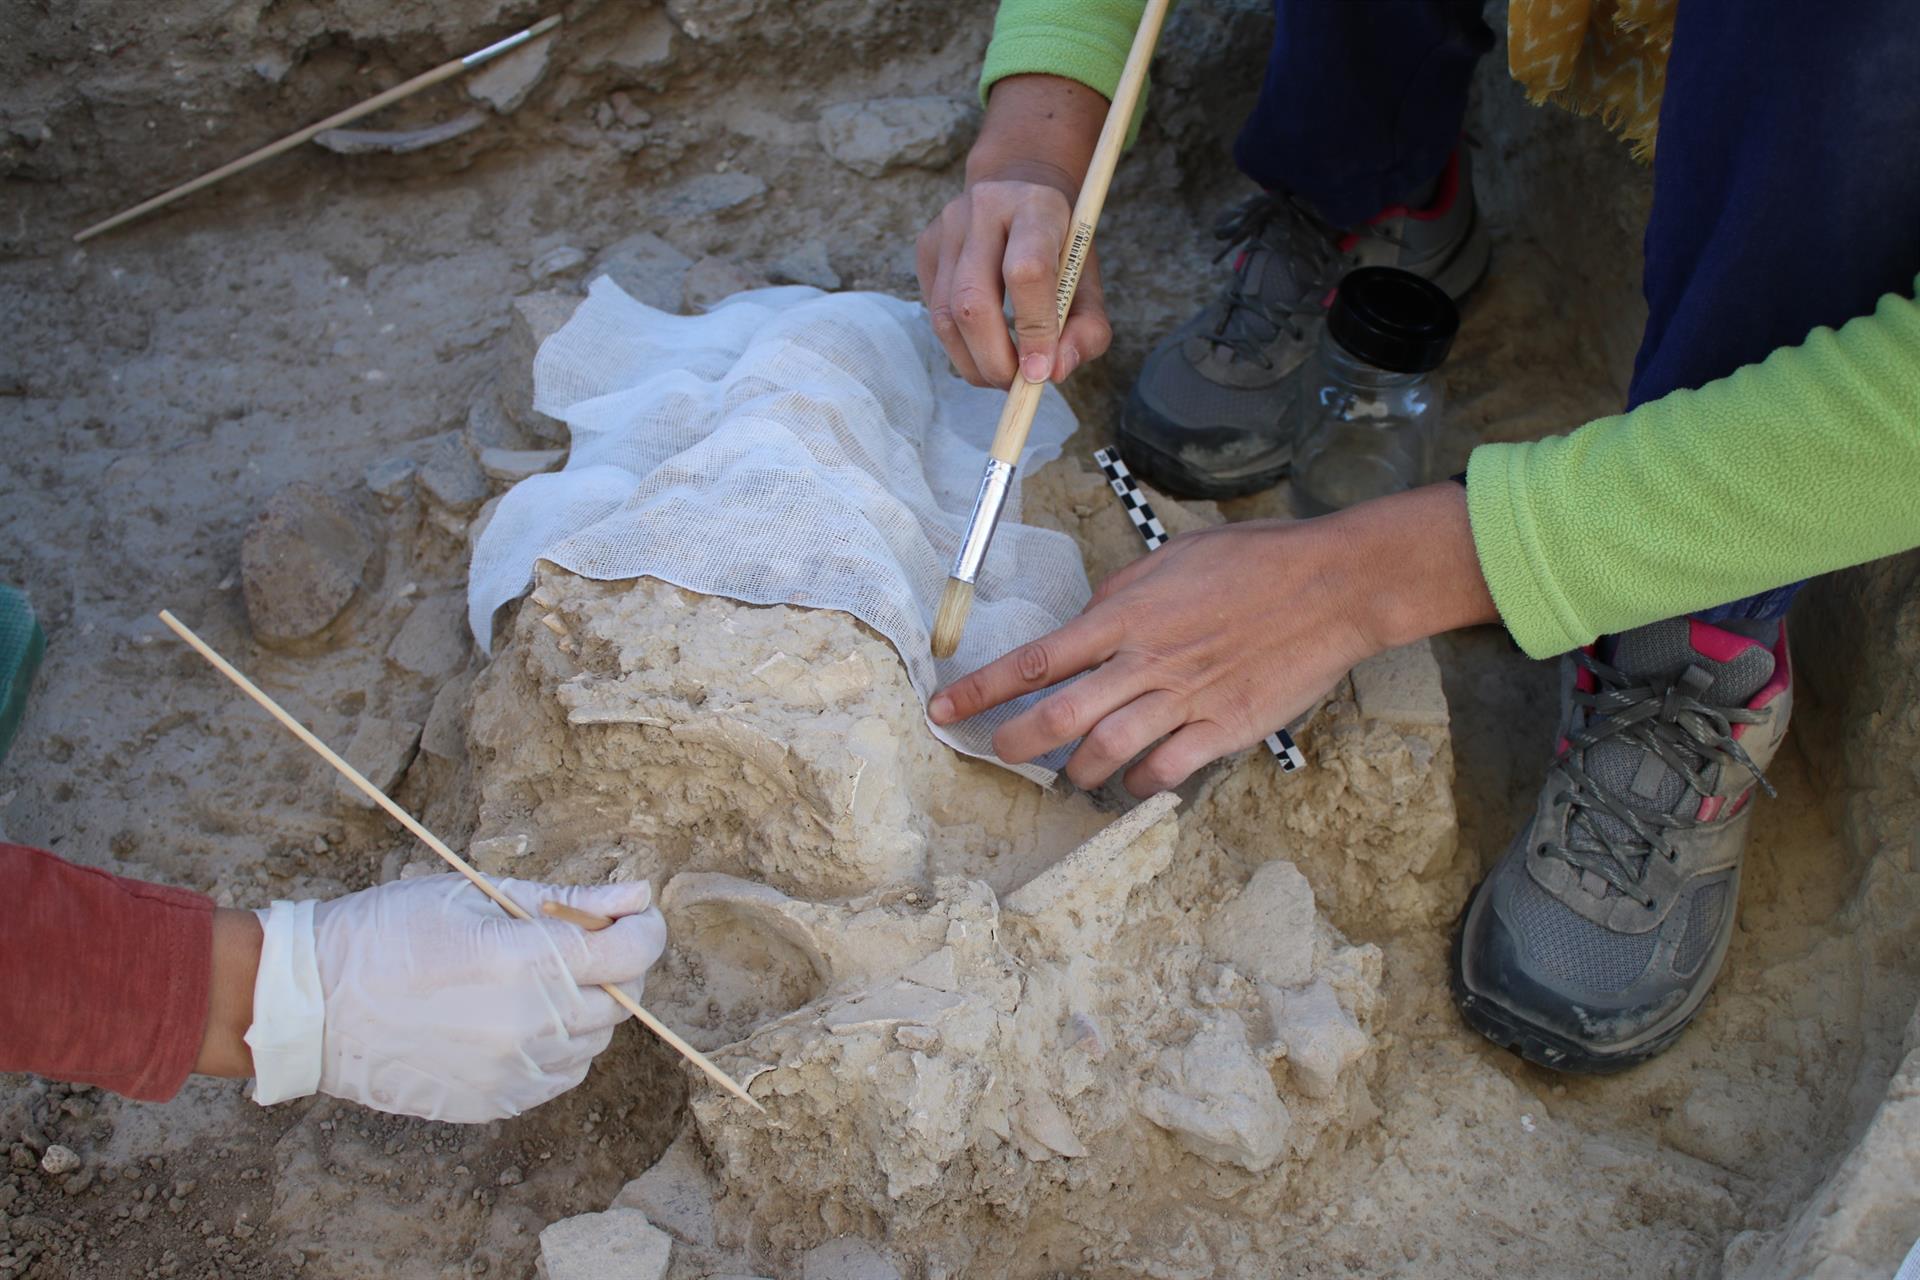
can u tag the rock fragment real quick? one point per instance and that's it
(1217, 1099)
(714, 280)
(1319, 1037)
(59, 1160)
(381, 749)
(489, 427)
(511, 466)
(676, 1194)
(619, 1244)
(889, 133)
(432, 642)
(390, 480)
(302, 563)
(445, 733)
(452, 482)
(556, 261)
(847, 1258)
(804, 264)
(708, 195)
(1402, 687)
(533, 318)
(1079, 901)
(646, 268)
(506, 83)
(1266, 932)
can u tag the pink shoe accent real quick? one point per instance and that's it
(1710, 808)
(1584, 681)
(1777, 684)
(1710, 641)
(1442, 203)
(1782, 673)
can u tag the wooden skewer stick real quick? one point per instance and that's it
(427, 79)
(451, 858)
(1023, 397)
(591, 921)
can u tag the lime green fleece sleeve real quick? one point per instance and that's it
(1084, 40)
(1806, 462)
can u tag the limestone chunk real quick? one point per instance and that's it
(1080, 900)
(1319, 1037)
(452, 482)
(646, 268)
(381, 749)
(619, 1244)
(1218, 1101)
(890, 133)
(302, 563)
(432, 642)
(1043, 1130)
(1402, 687)
(848, 1258)
(1266, 932)
(511, 466)
(533, 318)
(805, 264)
(507, 82)
(676, 1194)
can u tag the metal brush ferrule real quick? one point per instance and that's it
(995, 485)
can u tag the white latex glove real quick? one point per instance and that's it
(423, 998)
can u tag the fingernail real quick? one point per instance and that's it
(1034, 367)
(941, 708)
(1069, 361)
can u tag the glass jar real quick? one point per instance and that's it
(1369, 411)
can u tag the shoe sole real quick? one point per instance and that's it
(1460, 276)
(1544, 1048)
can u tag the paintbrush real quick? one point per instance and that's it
(1023, 397)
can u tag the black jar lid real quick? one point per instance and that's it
(1393, 319)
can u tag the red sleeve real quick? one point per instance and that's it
(103, 980)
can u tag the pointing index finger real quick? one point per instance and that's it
(1087, 641)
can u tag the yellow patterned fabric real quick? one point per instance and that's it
(1597, 57)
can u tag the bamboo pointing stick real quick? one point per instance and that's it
(425, 80)
(451, 858)
(1023, 397)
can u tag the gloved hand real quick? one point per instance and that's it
(423, 998)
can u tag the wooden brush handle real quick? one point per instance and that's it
(1023, 397)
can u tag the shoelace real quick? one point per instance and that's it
(1672, 723)
(1307, 242)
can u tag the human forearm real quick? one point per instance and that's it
(1037, 128)
(1803, 463)
(106, 979)
(1420, 574)
(236, 963)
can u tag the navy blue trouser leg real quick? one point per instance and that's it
(1786, 189)
(1362, 100)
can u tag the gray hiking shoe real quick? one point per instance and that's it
(1209, 415)
(1592, 943)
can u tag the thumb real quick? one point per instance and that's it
(620, 953)
(625, 898)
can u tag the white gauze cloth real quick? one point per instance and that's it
(787, 447)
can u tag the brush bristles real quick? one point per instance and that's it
(955, 603)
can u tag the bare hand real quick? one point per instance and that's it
(1208, 644)
(1002, 239)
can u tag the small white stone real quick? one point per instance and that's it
(59, 1160)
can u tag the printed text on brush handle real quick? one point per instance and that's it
(1070, 267)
